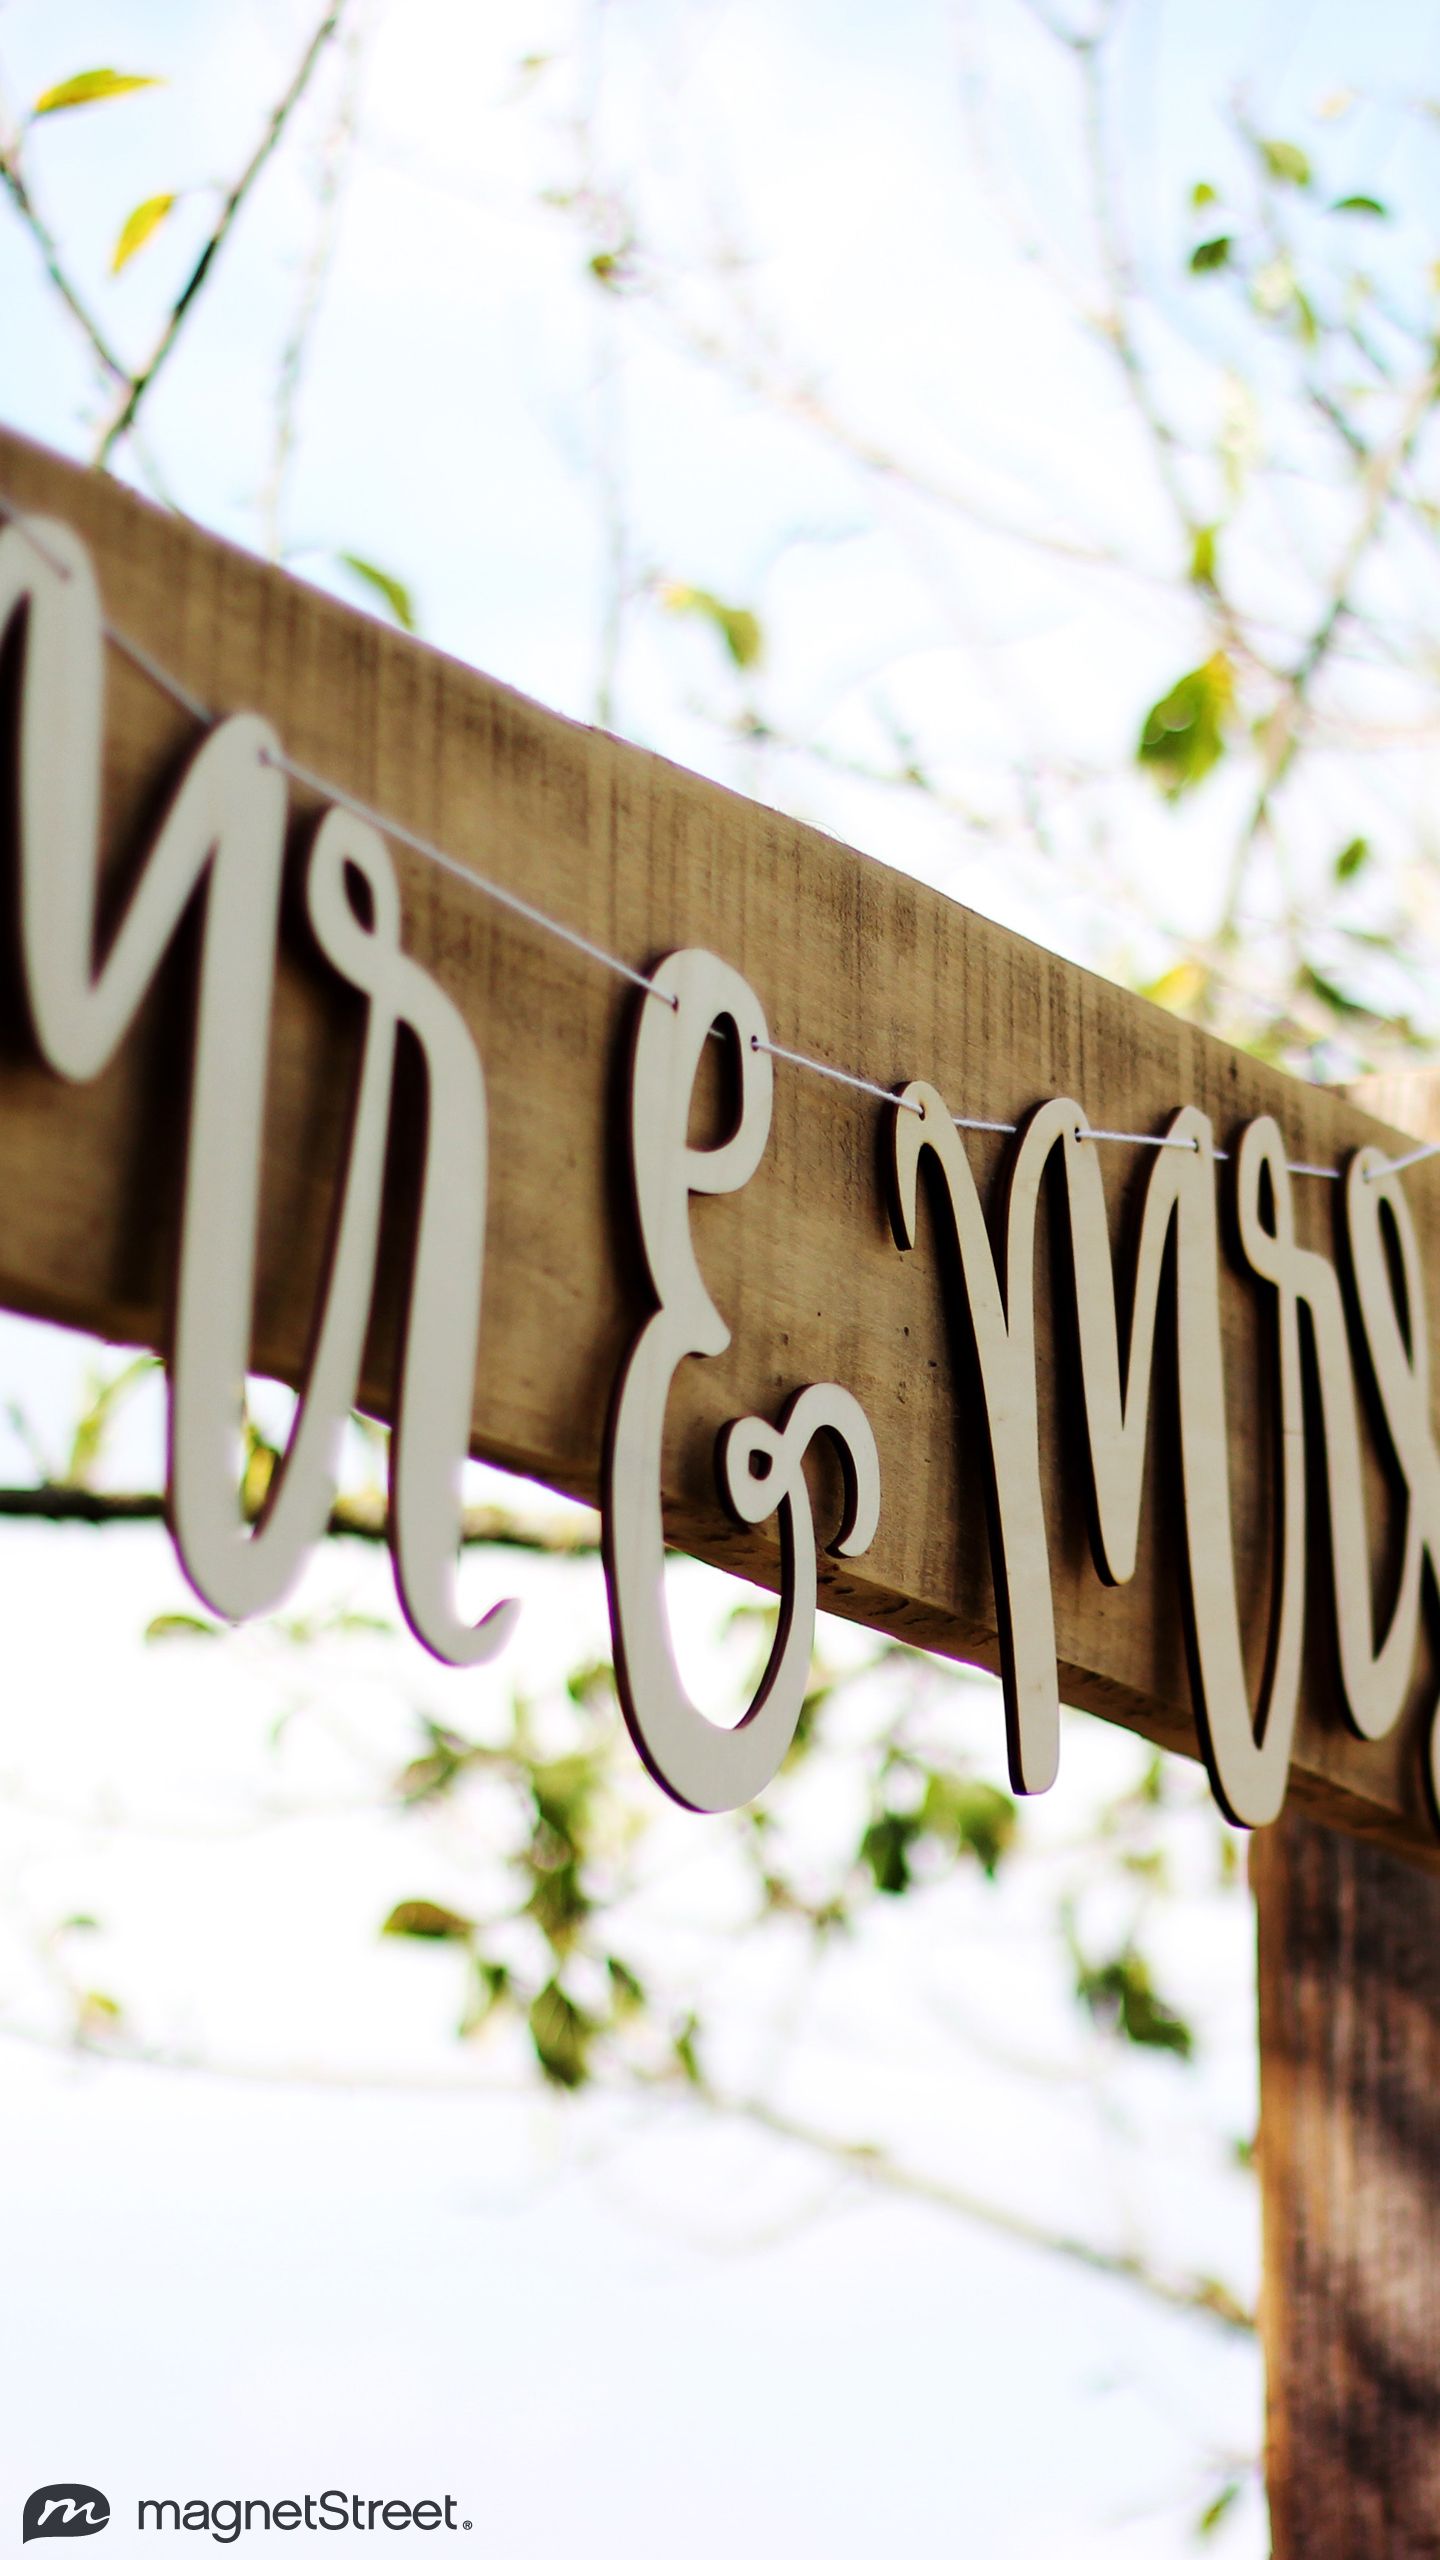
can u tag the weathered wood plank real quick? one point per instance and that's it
(853, 963)
(1349, 1966)
(1350, 2172)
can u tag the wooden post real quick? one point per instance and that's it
(1349, 1943)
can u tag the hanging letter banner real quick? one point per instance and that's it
(368, 1027)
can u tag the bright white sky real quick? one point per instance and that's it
(604, 2334)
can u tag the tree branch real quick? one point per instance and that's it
(1202, 2294)
(1181, 2293)
(353, 1516)
(12, 178)
(335, 155)
(1378, 484)
(139, 384)
(1117, 332)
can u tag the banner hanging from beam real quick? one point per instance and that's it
(376, 1030)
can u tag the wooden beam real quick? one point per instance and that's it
(853, 963)
(1349, 1962)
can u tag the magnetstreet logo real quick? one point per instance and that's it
(64, 2511)
(67, 2510)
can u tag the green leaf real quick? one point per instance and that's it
(393, 595)
(1202, 193)
(1352, 857)
(434, 1771)
(558, 1901)
(560, 2033)
(1211, 253)
(736, 625)
(687, 2051)
(885, 1850)
(977, 1818)
(261, 1460)
(1183, 736)
(627, 1989)
(1203, 553)
(97, 2013)
(1121, 1994)
(1361, 204)
(426, 1920)
(176, 1622)
(90, 88)
(1286, 163)
(1179, 987)
(488, 1988)
(93, 1425)
(1217, 2511)
(614, 268)
(1325, 990)
(137, 228)
(591, 1685)
(562, 1790)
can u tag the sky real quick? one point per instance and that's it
(314, 2255)
(473, 402)
(299, 2246)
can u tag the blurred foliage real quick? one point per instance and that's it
(91, 89)
(1183, 738)
(736, 626)
(392, 592)
(1120, 1994)
(552, 1950)
(138, 227)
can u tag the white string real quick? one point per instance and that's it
(510, 899)
(1139, 1138)
(837, 1075)
(1133, 1138)
(128, 648)
(12, 515)
(1397, 1164)
(200, 712)
(469, 879)
(157, 675)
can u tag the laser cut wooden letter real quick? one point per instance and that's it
(223, 839)
(705, 1765)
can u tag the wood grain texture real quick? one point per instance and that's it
(1349, 1965)
(1350, 2172)
(851, 961)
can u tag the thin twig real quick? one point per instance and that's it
(1118, 334)
(337, 148)
(13, 179)
(1378, 486)
(1203, 2294)
(1180, 2292)
(138, 385)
